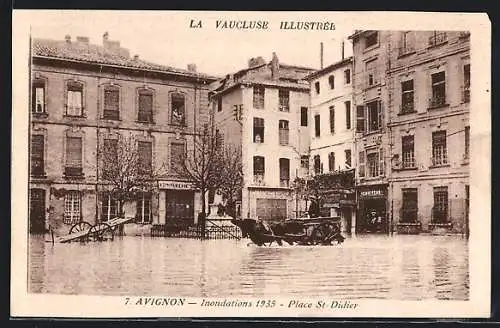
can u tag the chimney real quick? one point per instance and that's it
(105, 37)
(342, 49)
(275, 67)
(191, 68)
(136, 57)
(321, 55)
(67, 38)
(82, 40)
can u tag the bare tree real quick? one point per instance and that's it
(202, 167)
(230, 177)
(128, 168)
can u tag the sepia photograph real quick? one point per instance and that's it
(250, 164)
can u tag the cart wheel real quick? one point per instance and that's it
(96, 232)
(320, 234)
(80, 226)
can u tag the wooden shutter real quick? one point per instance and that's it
(74, 152)
(380, 115)
(145, 152)
(361, 160)
(360, 118)
(382, 162)
(145, 107)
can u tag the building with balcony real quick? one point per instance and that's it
(332, 134)
(264, 109)
(428, 84)
(370, 99)
(84, 98)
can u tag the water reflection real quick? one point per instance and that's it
(401, 267)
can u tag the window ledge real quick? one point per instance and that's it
(407, 113)
(437, 44)
(406, 54)
(376, 85)
(409, 223)
(145, 122)
(465, 161)
(438, 166)
(75, 116)
(110, 119)
(438, 106)
(40, 115)
(413, 168)
(178, 125)
(39, 176)
(74, 177)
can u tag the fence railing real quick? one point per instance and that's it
(196, 232)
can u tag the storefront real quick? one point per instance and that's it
(179, 202)
(372, 209)
(340, 203)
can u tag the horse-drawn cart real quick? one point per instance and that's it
(83, 231)
(300, 231)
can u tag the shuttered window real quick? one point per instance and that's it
(145, 113)
(360, 119)
(331, 161)
(317, 125)
(283, 132)
(74, 152)
(177, 156)
(361, 160)
(37, 155)
(332, 119)
(284, 172)
(74, 99)
(145, 152)
(111, 104)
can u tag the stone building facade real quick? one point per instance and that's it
(85, 95)
(264, 109)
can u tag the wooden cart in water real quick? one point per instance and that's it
(84, 231)
(300, 231)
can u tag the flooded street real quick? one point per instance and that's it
(399, 267)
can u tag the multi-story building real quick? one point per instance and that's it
(370, 95)
(86, 96)
(332, 134)
(264, 110)
(428, 83)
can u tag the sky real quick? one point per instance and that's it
(166, 37)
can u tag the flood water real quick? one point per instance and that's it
(398, 267)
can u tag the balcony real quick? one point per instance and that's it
(437, 102)
(437, 39)
(73, 172)
(439, 160)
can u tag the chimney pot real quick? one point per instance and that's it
(105, 36)
(191, 68)
(67, 38)
(136, 57)
(275, 66)
(82, 40)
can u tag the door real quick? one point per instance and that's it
(37, 211)
(180, 207)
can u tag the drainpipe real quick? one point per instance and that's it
(97, 145)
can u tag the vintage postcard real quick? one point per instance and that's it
(250, 164)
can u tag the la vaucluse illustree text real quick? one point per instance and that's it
(263, 25)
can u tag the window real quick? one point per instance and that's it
(348, 158)
(72, 207)
(73, 156)
(178, 115)
(38, 97)
(371, 39)
(347, 76)
(331, 81)
(439, 151)
(143, 208)
(219, 104)
(331, 162)
(258, 170)
(109, 207)
(258, 130)
(440, 209)
(258, 97)
(332, 119)
(303, 116)
(110, 157)
(317, 164)
(438, 90)
(145, 113)
(74, 99)
(284, 172)
(407, 104)
(466, 92)
(361, 160)
(145, 154)
(111, 103)
(284, 98)
(317, 125)
(316, 87)
(371, 73)
(374, 116)
(360, 119)
(437, 38)
(372, 160)
(467, 142)
(283, 132)
(409, 209)
(408, 146)
(407, 43)
(347, 114)
(304, 162)
(177, 157)
(37, 155)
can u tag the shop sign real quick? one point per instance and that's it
(376, 193)
(175, 185)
